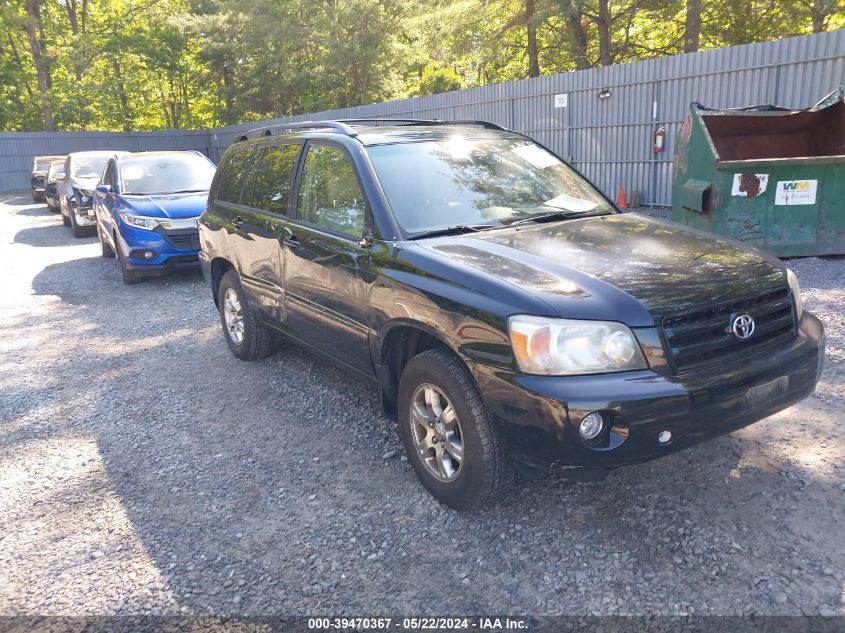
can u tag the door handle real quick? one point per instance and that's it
(291, 242)
(238, 222)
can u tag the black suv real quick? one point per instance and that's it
(510, 316)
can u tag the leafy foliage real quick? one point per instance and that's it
(152, 64)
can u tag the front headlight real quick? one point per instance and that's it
(568, 347)
(140, 221)
(792, 279)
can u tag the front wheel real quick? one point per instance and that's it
(246, 335)
(65, 219)
(105, 249)
(129, 276)
(78, 230)
(451, 443)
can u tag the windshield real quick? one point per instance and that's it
(88, 166)
(433, 185)
(55, 170)
(42, 164)
(177, 172)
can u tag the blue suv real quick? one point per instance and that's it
(147, 206)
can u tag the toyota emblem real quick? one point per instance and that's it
(742, 325)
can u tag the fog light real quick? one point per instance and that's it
(665, 437)
(149, 254)
(591, 426)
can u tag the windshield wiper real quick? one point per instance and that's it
(455, 229)
(555, 215)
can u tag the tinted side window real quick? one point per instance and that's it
(234, 172)
(109, 174)
(329, 194)
(273, 178)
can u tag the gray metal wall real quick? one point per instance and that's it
(610, 139)
(17, 149)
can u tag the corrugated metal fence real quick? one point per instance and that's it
(602, 120)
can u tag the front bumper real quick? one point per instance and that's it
(173, 249)
(539, 415)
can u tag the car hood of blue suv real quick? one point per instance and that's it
(171, 205)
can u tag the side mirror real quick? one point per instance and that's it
(103, 188)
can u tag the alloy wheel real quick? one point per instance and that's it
(436, 431)
(233, 315)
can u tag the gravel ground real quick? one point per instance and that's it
(145, 470)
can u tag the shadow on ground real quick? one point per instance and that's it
(50, 235)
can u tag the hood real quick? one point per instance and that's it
(173, 205)
(88, 185)
(623, 267)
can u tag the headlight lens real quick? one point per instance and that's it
(140, 221)
(792, 278)
(567, 347)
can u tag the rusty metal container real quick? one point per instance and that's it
(766, 175)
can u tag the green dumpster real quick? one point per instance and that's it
(765, 175)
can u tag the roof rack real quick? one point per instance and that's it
(345, 126)
(298, 125)
(410, 122)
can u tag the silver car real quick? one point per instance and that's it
(75, 190)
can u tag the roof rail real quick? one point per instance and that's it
(346, 126)
(485, 124)
(297, 125)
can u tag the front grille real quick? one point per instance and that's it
(704, 336)
(183, 238)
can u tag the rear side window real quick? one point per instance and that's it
(273, 178)
(229, 189)
(329, 194)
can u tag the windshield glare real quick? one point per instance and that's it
(88, 167)
(433, 185)
(166, 174)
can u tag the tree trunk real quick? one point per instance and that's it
(605, 54)
(227, 95)
(819, 13)
(692, 29)
(33, 19)
(533, 57)
(577, 37)
(121, 93)
(71, 16)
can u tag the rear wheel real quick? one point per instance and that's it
(129, 276)
(246, 335)
(65, 219)
(53, 209)
(451, 443)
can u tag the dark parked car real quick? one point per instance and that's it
(51, 193)
(147, 207)
(40, 164)
(508, 313)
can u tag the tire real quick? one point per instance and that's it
(53, 209)
(105, 249)
(484, 473)
(78, 231)
(130, 276)
(256, 339)
(65, 219)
